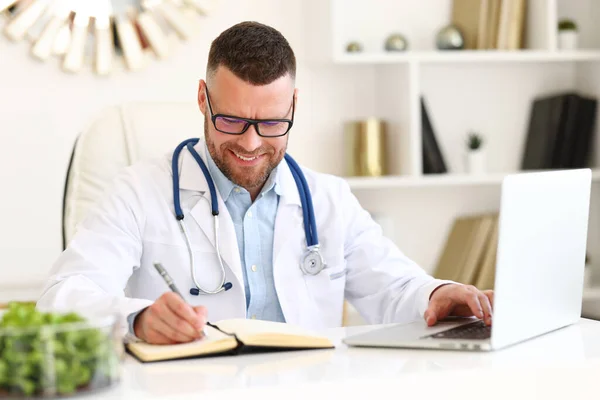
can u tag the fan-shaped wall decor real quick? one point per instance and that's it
(99, 32)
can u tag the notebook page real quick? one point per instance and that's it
(180, 349)
(243, 327)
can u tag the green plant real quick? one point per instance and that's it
(474, 141)
(567, 25)
(51, 353)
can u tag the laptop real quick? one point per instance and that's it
(543, 225)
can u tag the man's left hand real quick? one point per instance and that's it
(461, 301)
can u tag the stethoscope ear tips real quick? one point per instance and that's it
(228, 285)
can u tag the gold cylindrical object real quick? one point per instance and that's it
(366, 147)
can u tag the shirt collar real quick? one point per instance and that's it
(225, 186)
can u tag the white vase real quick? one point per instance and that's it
(567, 40)
(475, 161)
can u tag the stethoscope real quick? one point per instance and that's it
(312, 262)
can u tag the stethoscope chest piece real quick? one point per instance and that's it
(313, 262)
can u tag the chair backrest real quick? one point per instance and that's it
(117, 137)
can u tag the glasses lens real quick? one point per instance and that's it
(273, 128)
(230, 125)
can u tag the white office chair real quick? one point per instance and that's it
(120, 136)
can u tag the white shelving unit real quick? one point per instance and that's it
(489, 91)
(469, 56)
(440, 180)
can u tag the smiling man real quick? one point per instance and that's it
(262, 238)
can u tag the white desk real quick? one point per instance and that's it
(562, 364)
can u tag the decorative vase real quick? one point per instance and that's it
(366, 147)
(567, 39)
(449, 38)
(476, 161)
(396, 42)
(354, 47)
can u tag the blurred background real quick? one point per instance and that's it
(423, 106)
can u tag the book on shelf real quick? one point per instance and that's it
(234, 337)
(469, 254)
(490, 24)
(560, 131)
(487, 269)
(469, 16)
(433, 160)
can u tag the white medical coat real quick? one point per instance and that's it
(108, 265)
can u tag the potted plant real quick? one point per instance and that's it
(475, 156)
(567, 34)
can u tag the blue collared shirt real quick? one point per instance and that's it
(254, 228)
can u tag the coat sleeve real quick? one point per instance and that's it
(91, 274)
(382, 283)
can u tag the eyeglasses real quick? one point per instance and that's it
(233, 125)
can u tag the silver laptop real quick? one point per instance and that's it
(540, 262)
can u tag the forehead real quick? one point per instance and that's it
(235, 96)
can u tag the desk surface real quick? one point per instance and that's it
(562, 363)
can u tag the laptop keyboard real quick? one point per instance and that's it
(476, 330)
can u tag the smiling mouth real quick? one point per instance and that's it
(244, 158)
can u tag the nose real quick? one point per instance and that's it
(250, 140)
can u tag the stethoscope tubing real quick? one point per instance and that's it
(310, 229)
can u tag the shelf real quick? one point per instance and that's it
(437, 180)
(459, 56)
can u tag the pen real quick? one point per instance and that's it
(163, 272)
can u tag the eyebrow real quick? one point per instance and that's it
(230, 114)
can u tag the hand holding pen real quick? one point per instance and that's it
(170, 319)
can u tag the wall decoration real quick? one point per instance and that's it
(450, 38)
(100, 33)
(396, 42)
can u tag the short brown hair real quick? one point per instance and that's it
(256, 53)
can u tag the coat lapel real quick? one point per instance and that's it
(192, 178)
(288, 223)
(288, 249)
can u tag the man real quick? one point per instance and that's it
(248, 100)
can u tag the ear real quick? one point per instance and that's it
(202, 97)
(296, 98)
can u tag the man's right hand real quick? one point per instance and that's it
(170, 320)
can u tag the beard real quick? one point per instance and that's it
(250, 178)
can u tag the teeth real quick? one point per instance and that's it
(244, 158)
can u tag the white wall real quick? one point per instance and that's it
(42, 110)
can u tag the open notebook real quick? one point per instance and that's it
(234, 336)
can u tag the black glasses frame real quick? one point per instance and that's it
(249, 121)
